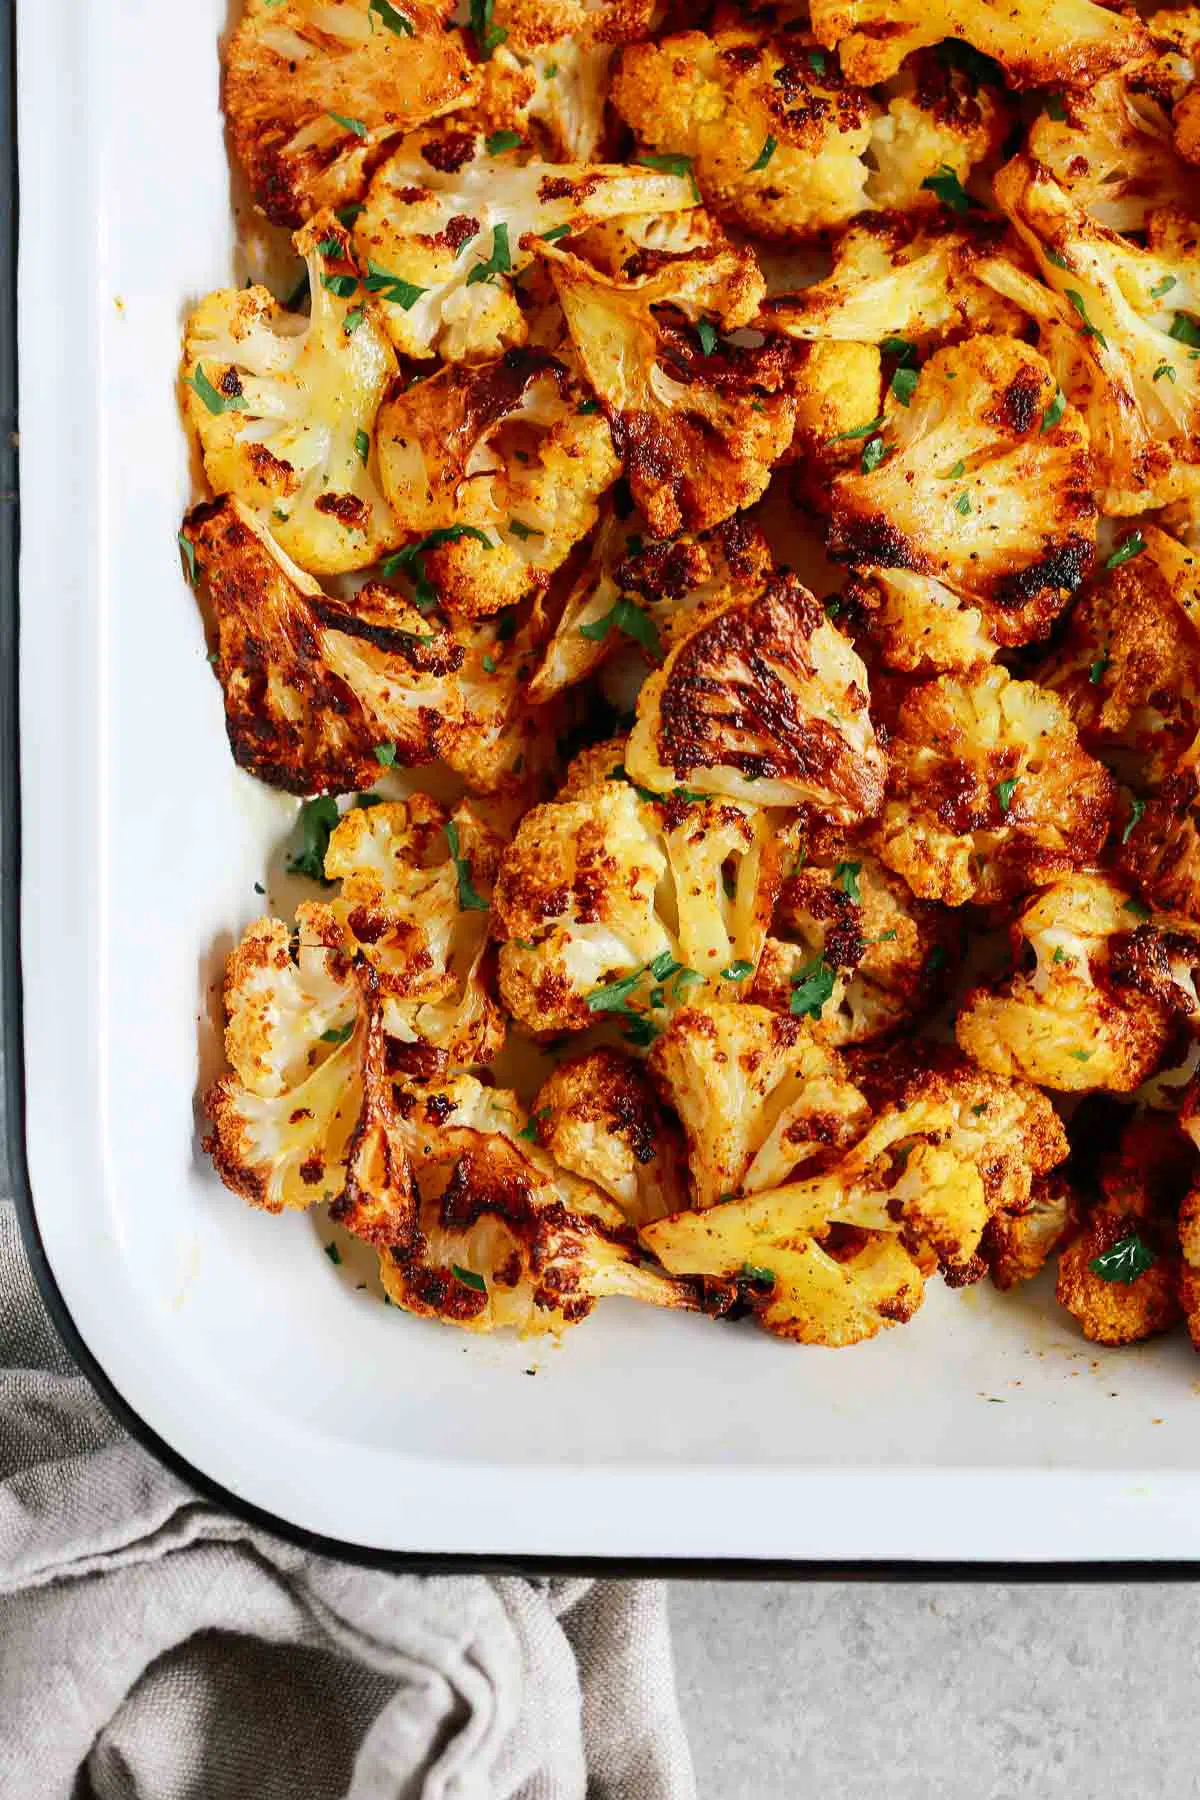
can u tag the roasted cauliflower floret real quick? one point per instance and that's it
(503, 1237)
(834, 387)
(1068, 45)
(1119, 1278)
(1116, 326)
(319, 695)
(498, 466)
(448, 228)
(962, 482)
(307, 1112)
(284, 407)
(990, 791)
(1109, 148)
(763, 701)
(852, 948)
(614, 904)
(1160, 845)
(698, 424)
(599, 1116)
(1017, 1246)
(759, 1095)
(1064, 1019)
(941, 121)
(549, 73)
(909, 278)
(315, 89)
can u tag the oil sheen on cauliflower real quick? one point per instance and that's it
(499, 465)
(315, 89)
(599, 1116)
(1111, 151)
(990, 792)
(447, 229)
(284, 407)
(549, 73)
(763, 701)
(1065, 1020)
(315, 690)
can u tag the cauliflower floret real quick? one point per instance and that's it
(598, 1116)
(447, 229)
(284, 407)
(759, 1097)
(314, 90)
(499, 465)
(1017, 1246)
(834, 387)
(1160, 846)
(764, 701)
(941, 120)
(1067, 1022)
(505, 1238)
(1120, 1276)
(615, 904)
(990, 792)
(1175, 37)
(1067, 45)
(833, 1258)
(698, 430)
(550, 69)
(775, 137)
(964, 483)
(852, 948)
(307, 1113)
(1116, 322)
(319, 693)
(920, 626)
(909, 278)
(416, 887)
(1110, 149)
(1129, 666)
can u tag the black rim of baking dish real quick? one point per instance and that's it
(14, 1111)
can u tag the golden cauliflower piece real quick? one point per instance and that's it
(764, 701)
(1110, 149)
(697, 429)
(906, 278)
(549, 74)
(614, 904)
(834, 386)
(1083, 1015)
(307, 1112)
(759, 1096)
(315, 89)
(1119, 1278)
(319, 694)
(1116, 322)
(1068, 45)
(833, 1258)
(942, 119)
(852, 948)
(499, 470)
(284, 407)
(599, 1116)
(503, 1237)
(990, 792)
(963, 483)
(1017, 1246)
(448, 227)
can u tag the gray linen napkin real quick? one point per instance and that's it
(152, 1648)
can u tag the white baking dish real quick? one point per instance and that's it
(985, 1430)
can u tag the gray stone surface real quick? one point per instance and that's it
(862, 1691)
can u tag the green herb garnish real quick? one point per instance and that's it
(845, 876)
(392, 288)
(498, 263)
(340, 1034)
(334, 1254)
(626, 616)
(1054, 411)
(1124, 1261)
(764, 156)
(501, 141)
(1136, 809)
(949, 189)
(860, 431)
(317, 819)
(362, 446)
(811, 988)
(1089, 330)
(904, 383)
(1185, 331)
(216, 401)
(469, 1278)
(875, 451)
(737, 971)
(468, 899)
(1003, 791)
(354, 125)
(672, 165)
(1130, 546)
(487, 35)
(188, 549)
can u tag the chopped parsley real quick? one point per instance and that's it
(468, 899)
(392, 288)
(1167, 369)
(1130, 546)
(530, 1131)
(340, 285)
(1185, 331)
(860, 431)
(904, 383)
(189, 558)
(498, 263)
(901, 347)
(1136, 809)
(672, 165)
(811, 988)
(346, 215)
(1125, 1260)
(1137, 907)
(706, 331)
(1054, 411)
(362, 447)
(1003, 791)
(957, 472)
(558, 231)
(523, 531)
(334, 1254)
(339, 1034)
(845, 876)
(385, 754)
(469, 1278)
(487, 36)
(412, 559)
(317, 819)
(754, 1272)
(816, 61)
(963, 504)
(387, 15)
(949, 189)
(1162, 287)
(354, 125)
(1058, 259)
(764, 156)
(1089, 330)
(586, 407)
(737, 971)
(353, 320)
(330, 246)
(875, 451)
(489, 665)
(501, 141)
(1096, 672)
(626, 616)
(213, 398)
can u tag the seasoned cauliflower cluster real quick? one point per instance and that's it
(712, 547)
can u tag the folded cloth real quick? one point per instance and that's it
(153, 1648)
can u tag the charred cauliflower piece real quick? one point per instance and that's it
(963, 483)
(307, 1112)
(416, 881)
(318, 694)
(762, 701)
(698, 430)
(852, 948)
(1119, 1278)
(599, 1116)
(284, 407)
(1077, 1016)
(990, 792)
(315, 89)
(759, 1097)
(1116, 326)
(499, 470)
(941, 120)
(503, 1237)
(447, 229)
(1017, 1246)
(1160, 845)
(1111, 152)
(1067, 46)
(549, 73)
(910, 278)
